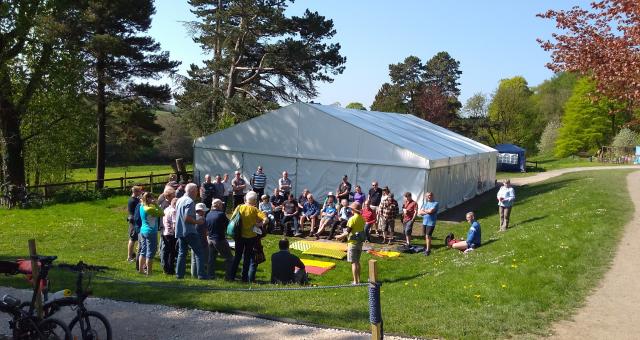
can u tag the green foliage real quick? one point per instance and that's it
(513, 115)
(547, 143)
(428, 91)
(389, 99)
(586, 124)
(356, 106)
(132, 131)
(260, 57)
(174, 140)
(517, 283)
(72, 195)
(626, 138)
(474, 121)
(550, 97)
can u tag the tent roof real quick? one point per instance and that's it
(509, 148)
(425, 144)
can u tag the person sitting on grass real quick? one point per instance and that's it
(326, 216)
(354, 234)
(149, 213)
(283, 266)
(474, 236)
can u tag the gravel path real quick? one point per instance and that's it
(150, 322)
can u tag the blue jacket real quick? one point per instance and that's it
(474, 235)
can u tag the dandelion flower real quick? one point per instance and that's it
(477, 296)
(504, 285)
(514, 266)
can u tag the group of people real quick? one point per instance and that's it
(348, 216)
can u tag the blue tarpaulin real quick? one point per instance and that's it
(510, 158)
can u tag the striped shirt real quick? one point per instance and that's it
(259, 180)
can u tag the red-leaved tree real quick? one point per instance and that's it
(602, 42)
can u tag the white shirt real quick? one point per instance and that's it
(508, 196)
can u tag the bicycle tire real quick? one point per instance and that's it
(102, 332)
(53, 329)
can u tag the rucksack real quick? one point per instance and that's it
(137, 219)
(235, 225)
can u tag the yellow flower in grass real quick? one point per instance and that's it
(503, 285)
(477, 296)
(514, 266)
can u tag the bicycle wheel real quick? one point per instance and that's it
(91, 326)
(53, 329)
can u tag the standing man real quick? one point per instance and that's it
(218, 188)
(429, 213)
(375, 197)
(284, 184)
(133, 202)
(238, 185)
(207, 190)
(344, 189)
(354, 233)
(506, 196)
(187, 234)
(259, 181)
(216, 222)
(409, 212)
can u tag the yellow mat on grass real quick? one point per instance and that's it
(305, 245)
(316, 263)
(336, 254)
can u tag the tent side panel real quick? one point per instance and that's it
(215, 162)
(321, 177)
(398, 179)
(272, 167)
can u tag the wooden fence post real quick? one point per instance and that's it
(35, 270)
(151, 182)
(86, 185)
(121, 183)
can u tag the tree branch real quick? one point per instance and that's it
(256, 73)
(30, 89)
(46, 128)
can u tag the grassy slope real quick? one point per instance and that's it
(550, 163)
(564, 236)
(82, 174)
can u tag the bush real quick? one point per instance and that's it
(548, 138)
(71, 195)
(625, 138)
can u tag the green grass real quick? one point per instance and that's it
(564, 235)
(83, 174)
(546, 163)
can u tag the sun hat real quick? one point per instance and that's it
(201, 206)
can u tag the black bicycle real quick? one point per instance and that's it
(25, 324)
(87, 324)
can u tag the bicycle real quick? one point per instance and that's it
(17, 196)
(24, 324)
(87, 324)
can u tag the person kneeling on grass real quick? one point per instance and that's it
(149, 213)
(283, 266)
(354, 233)
(474, 235)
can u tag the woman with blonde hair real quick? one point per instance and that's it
(252, 221)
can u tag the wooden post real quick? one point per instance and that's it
(376, 328)
(151, 182)
(35, 270)
(86, 185)
(125, 178)
(121, 183)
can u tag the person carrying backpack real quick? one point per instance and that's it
(132, 208)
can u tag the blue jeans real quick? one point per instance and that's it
(244, 251)
(148, 244)
(184, 243)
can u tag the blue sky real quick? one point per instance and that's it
(492, 39)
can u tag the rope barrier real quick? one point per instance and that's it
(218, 289)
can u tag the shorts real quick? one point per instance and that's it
(387, 225)
(148, 244)
(408, 227)
(133, 234)
(354, 250)
(428, 230)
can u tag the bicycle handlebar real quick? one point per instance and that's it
(82, 267)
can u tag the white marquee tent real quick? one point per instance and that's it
(318, 144)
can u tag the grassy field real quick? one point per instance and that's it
(564, 235)
(83, 174)
(546, 163)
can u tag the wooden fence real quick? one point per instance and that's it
(148, 181)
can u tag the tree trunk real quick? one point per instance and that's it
(217, 49)
(102, 119)
(12, 143)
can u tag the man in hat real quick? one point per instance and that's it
(354, 233)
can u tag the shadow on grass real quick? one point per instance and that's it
(485, 204)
